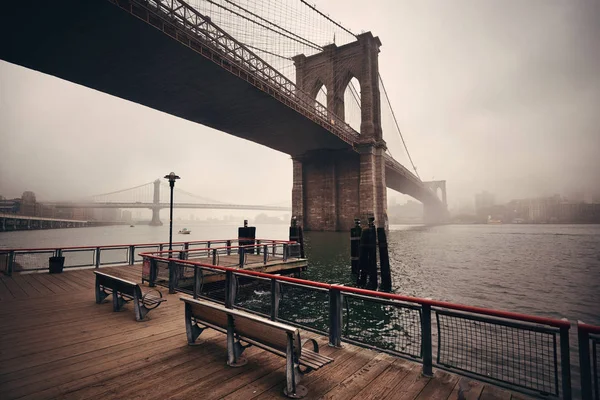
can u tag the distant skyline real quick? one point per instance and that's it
(490, 95)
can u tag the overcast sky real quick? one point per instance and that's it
(498, 95)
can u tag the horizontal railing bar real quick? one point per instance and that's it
(588, 328)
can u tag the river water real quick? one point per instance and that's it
(545, 270)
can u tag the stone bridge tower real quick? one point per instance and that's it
(331, 188)
(156, 208)
(433, 214)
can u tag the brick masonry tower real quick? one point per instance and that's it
(332, 187)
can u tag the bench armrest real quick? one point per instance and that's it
(152, 305)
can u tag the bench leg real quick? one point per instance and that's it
(118, 301)
(292, 374)
(140, 309)
(192, 330)
(101, 294)
(234, 348)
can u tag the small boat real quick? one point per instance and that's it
(131, 226)
(185, 231)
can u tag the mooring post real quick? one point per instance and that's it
(384, 261)
(296, 235)
(355, 234)
(363, 259)
(372, 281)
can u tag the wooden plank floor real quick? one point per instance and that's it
(56, 343)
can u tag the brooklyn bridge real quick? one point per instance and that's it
(274, 81)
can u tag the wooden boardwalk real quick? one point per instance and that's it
(56, 343)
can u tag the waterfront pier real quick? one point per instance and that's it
(57, 343)
(13, 222)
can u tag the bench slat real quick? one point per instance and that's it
(309, 364)
(315, 363)
(316, 356)
(318, 360)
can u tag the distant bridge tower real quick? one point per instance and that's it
(433, 213)
(156, 201)
(331, 187)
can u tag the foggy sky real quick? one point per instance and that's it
(498, 95)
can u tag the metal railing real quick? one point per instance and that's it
(159, 267)
(187, 25)
(521, 352)
(588, 339)
(36, 259)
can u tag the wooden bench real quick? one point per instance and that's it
(124, 291)
(275, 337)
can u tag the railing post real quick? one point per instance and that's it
(11, 261)
(186, 247)
(197, 282)
(160, 247)
(131, 255)
(97, 256)
(426, 347)
(229, 289)
(335, 318)
(228, 244)
(265, 255)
(258, 247)
(153, 273)
(584, 363)
(214, 257)
(565, 362)
(285, 252)
(275, 297)
(241, 253)
(172, 277)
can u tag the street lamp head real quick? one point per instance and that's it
(172, 177)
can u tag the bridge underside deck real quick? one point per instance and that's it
(57, 343)
(98, 45)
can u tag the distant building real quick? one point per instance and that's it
(27, 204)
(126, 216)
(483, 200)
(10, 206)
(484, 203)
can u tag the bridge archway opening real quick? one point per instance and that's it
(352, 104)
(321, 95)
(439, 193)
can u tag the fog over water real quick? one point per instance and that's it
(497, 96)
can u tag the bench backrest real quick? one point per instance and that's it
(270, 333)
(118, 284)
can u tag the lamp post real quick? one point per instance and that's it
(172, 178)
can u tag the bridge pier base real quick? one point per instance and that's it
(331, 188)
(156, 217)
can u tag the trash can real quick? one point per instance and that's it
(56, 264)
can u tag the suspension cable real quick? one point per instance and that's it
(327, 18)
(398, 127)
(304, 42)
